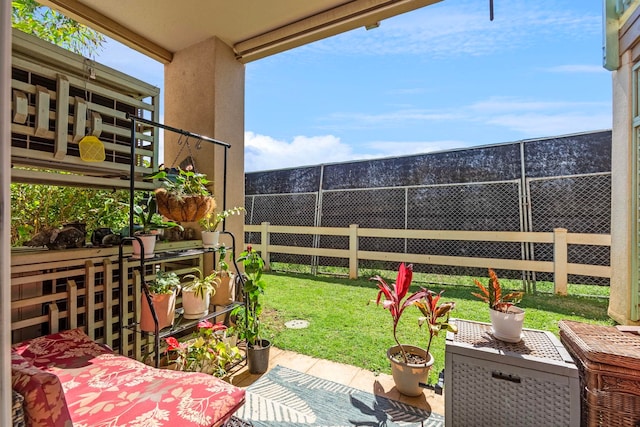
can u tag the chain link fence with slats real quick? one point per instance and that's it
(577, 199)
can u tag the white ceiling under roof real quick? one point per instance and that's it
(254, 28)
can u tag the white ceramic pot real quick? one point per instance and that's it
(194, 306)
(210, 239)
(408, 377)
(149, 243)
(507, 326)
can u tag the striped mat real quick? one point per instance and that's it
(287, 398)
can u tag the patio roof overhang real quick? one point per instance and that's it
(254, 29)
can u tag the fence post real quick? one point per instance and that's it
(560, 261)
(264, 240)
(353, 251)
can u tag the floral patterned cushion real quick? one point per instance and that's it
(44, 400)
(106, 389)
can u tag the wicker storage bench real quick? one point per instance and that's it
(609, 364)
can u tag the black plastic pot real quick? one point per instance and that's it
(258, 357)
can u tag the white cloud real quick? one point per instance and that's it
(539, 124)
(264, 152)
(535, 118)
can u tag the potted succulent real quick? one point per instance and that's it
(249, 318)
(148, 220)
(206, 351)
(410, 365)
(506, 318)
(184, 196)
(224, 294)
(197, 293)
(210, 223)
(163, 291)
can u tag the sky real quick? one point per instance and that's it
(439, 78)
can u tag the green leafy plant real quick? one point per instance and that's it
(182, 182)
(435, 315)
(206, 351)
(213, 219)
(253, 287)
(494, 295)
(148, 219)
(223, 265)
(201, 285)
(165, 282)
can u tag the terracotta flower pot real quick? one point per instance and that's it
(225, 292)
(408, 377)
(165, 307)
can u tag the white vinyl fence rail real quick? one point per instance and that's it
(560, 239)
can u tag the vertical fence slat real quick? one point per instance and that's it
(72, 303)
(90, 297)
(265, 239)
(560, 277)
(108, 302)
(353, 251)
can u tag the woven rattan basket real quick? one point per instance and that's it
(184, 209)
(609, 364)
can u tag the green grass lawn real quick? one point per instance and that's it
(346, 326)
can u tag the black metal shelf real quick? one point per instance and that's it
(180, 325)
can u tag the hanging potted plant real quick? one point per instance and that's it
(163, 291)
(210, 223)
(197, 293)
(148, 221)
(506, 318)
(184, 196)
(410, 365)
(225, 291)
(248, 316)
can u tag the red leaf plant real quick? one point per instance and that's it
(434, 314)
(394, 297)
(492, 294)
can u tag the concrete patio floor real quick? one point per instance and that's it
(380, 384)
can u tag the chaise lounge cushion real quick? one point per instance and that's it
(106, 389)
(44, 401)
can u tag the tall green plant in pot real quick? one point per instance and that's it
(254, 286)
(410, 364)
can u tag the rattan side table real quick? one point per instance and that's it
(494, 383)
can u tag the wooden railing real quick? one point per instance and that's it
(559, 238)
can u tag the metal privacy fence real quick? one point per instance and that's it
(578, 202)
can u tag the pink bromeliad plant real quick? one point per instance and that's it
(395, 297)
